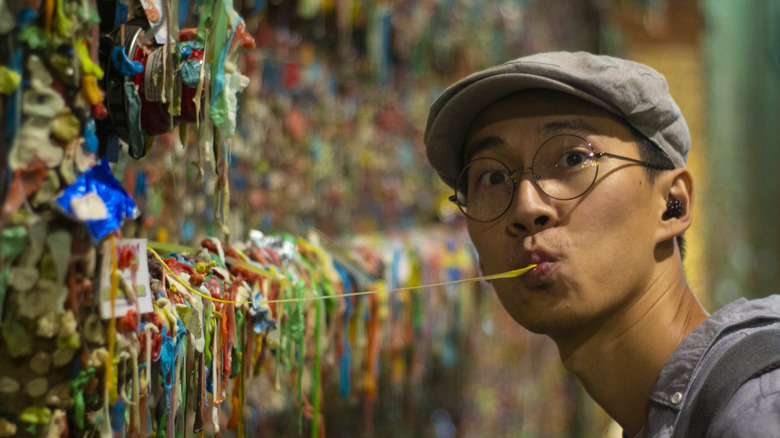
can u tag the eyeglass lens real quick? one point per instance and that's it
(564, 167)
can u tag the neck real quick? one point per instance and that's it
(619, 361)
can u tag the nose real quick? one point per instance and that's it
(531, 210)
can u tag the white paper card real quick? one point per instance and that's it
(133, 291)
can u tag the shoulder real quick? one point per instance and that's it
(753, 411)
(723, 397)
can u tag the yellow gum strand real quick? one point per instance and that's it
(109, 371)
(267, 274)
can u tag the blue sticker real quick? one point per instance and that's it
(100, 182)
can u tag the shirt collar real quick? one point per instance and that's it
(671, 388)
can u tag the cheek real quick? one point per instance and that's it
(492, 246)
(615, 232)
(631, 213)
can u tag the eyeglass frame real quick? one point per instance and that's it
(516, 183)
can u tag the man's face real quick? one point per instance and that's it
(595, 253)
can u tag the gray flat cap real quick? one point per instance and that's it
(631, 90)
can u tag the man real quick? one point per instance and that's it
(576, 163)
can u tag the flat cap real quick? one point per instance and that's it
(633, 91)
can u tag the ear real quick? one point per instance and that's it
(677, 185)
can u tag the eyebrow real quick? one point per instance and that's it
(571, 125)
(577, 125)
(482, 144)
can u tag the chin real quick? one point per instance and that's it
(535, 325)
(555, 328)
(537, 311)
(530, 319)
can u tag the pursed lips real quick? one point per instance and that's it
(544, 260)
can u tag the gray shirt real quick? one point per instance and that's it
(754, 410)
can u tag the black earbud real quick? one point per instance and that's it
(674, 209)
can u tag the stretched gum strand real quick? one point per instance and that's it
(508, 274)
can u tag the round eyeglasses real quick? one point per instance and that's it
(564, 167)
